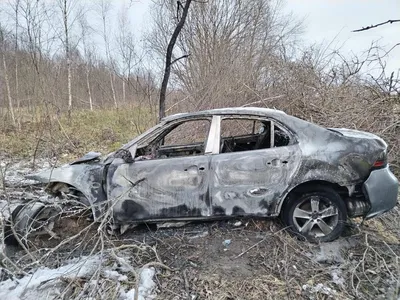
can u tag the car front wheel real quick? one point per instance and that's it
(318, 214)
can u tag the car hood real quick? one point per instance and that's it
(90, 156)
(67, 172)
(351, 133)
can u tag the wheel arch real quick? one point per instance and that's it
(56, 188)
(85, 178)
(341, 190)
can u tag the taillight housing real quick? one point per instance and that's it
(381, 162)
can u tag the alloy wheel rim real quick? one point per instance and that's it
(316, 216)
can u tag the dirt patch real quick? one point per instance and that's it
(257, 263)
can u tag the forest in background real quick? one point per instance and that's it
(75, 77)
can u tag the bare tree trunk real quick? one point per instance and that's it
(16, 80)
(88, 58)
(104, 9)
(88, 88)
(69, 85)
(113, 89)
(66, 32)
(123, 90)
(16, 55)
(10, 102)
(168, 58)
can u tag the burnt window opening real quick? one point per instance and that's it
(239, 134)
(187, 138)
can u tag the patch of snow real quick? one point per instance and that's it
(321, 289)
(127, 295)
(197, 236)
(15, 172)
(146, 287)
(35, 286)
(330, 253)
(45, 283)
(172, 224)
(237, 224)
(114, 275)
(337, 278)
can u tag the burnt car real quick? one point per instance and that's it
(234, 162)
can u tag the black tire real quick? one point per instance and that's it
(307, 212)
(9, 238)
(26, 218)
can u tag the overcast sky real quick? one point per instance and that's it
(329, 21)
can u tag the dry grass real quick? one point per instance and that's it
(48, 134)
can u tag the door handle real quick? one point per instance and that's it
(276, 162)
(193, 168)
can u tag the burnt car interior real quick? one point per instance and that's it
(189, 138)
(183, 139)
(248, 134)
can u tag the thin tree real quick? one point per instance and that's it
(126, 48)
(16, 53)
(6, 79)
(88, 56)
(168, 57)
(65, 11)
(105, 7)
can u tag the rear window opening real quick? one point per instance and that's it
(239, 134)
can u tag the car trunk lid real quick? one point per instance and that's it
(359, 134)
(377, 145)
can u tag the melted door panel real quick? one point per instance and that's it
(251, 182)
(160, 188)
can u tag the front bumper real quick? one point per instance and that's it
(381, 189)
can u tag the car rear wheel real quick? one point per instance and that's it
(317, 214)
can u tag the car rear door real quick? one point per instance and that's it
(248, 178)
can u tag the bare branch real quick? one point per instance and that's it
(374, 26)
(179, 58)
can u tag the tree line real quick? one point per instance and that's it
(68, 54)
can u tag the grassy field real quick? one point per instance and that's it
(48, 134)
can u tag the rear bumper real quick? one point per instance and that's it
(381, 189)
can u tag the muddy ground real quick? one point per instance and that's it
(236, 259)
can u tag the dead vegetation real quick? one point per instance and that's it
(238, 259)
(261, 262)
(112, 97)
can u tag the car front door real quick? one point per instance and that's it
(173, 183)
(253, 166)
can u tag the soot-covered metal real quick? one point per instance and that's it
(228, 176)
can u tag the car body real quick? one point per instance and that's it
(242, 162)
